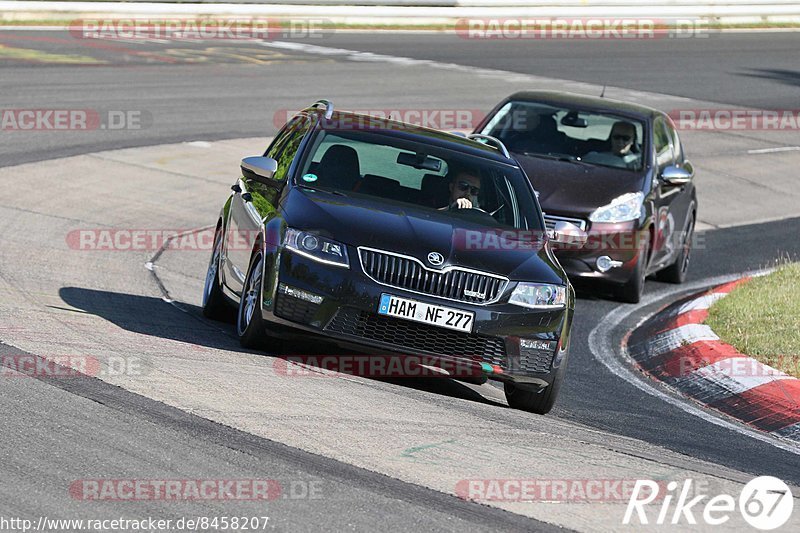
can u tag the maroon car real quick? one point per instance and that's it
(614, 169)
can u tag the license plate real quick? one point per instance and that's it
(435, 315)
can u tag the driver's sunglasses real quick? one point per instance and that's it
(623, 138)
(463, 186)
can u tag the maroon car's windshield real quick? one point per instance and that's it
(540, 130)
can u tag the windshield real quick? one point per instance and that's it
(540, 130)
(377, 165)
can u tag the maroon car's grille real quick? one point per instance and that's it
(410, 274)
(410, 336)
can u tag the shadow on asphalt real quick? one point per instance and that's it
(152, 316)
(788, 77)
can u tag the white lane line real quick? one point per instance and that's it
(487, 73)
(774, 150)
(621, 365)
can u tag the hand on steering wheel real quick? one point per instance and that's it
(461, 203)
(465, 203)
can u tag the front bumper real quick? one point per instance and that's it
(305, 298)
(619, 243)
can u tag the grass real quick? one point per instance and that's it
(761, 318)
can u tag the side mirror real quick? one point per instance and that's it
(676, 176)
(260, 169)
(569, 234)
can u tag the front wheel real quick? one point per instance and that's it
(676, 272)
(534, 399)
(249, 323)
(632, 291)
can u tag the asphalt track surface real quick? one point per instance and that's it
(57, 431)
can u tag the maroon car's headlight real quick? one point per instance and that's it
(621, 209)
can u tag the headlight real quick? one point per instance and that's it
(621, 209)
(539, 296)
(317, 248)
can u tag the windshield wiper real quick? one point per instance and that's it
(559, 157)
(337, 193)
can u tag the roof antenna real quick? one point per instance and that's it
(604, 91)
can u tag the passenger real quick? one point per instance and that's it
(622, 153)
(534, 133)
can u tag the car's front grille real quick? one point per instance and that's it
(409, 336)
(550, 221)
(535, 360)
(452, 283)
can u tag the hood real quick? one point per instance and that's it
(578, 189)
(402, 228)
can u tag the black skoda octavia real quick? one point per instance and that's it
(395, 239)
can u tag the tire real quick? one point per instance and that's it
(533, 399)
(249, 323)
(676, 272)
(632, 291)
(214, 303)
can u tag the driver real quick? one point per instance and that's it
(622, 153)
(464, 189)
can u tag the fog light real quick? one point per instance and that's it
(605, 263)
(536, 344)
(536, 355)
(299, 294)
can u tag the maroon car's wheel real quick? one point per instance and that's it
(632, 291)
(676, 272)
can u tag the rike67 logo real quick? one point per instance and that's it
(765, 503)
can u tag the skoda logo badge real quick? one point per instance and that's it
(435, 258)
